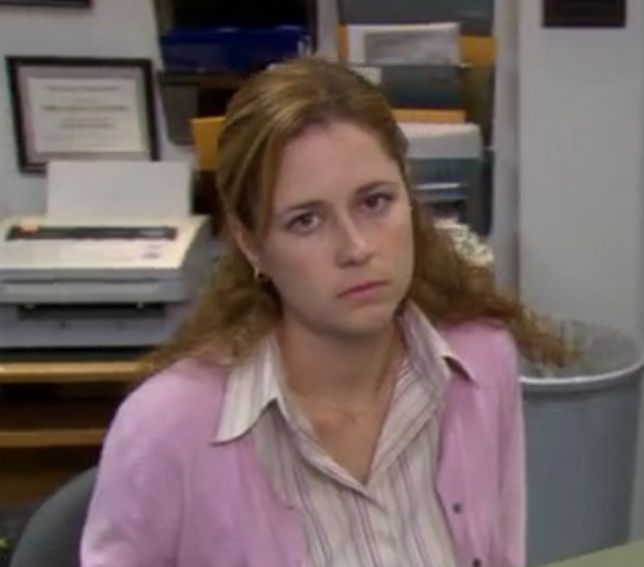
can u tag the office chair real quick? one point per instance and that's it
(52, 535)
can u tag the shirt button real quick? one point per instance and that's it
(457, 507)
(477, 563)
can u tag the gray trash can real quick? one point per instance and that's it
(581, 443)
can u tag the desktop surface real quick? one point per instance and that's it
(629, 555)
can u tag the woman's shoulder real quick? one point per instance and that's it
(485, 346)
(182, 396)
(479, 332)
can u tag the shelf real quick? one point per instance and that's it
(205, 80)
(46, 366)
(54, 423)
(67, 372)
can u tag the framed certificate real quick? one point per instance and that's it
(81, 108)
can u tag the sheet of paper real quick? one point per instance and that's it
(127, 189)
(422, 44)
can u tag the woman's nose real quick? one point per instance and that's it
(353, 245)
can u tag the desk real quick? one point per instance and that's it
(630, 555)
(55, 407)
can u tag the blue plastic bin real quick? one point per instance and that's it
(235, 49)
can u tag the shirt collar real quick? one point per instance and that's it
(427, 344)
(256, 383)
(251, 387)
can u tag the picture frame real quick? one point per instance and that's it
(49, 3)
(81, 108)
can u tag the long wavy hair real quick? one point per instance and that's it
(271, 109)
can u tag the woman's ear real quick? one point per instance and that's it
(244, 241)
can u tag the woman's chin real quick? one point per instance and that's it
(368, 320)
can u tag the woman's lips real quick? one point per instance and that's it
(364, 289)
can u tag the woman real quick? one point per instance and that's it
(347, 393)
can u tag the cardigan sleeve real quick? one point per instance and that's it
(134, 513)
(511, 527)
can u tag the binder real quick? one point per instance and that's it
(205, 135)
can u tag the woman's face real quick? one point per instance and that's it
(339, 247)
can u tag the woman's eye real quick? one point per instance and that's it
(304, 222)
(378, 201)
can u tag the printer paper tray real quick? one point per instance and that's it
(93, 311)
(91, 291)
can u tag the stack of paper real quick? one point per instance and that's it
(425, 44)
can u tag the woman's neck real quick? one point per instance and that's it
(334, 370)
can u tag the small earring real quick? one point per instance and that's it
(258, 276)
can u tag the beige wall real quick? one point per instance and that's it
(581, 206)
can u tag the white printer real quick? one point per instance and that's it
(116, 261)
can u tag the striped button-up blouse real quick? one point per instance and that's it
(394, 519)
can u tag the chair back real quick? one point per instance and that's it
(52, 535)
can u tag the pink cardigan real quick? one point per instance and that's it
(166, 496)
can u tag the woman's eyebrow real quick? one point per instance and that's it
(380, 184)
(304, 205)
(318, 203)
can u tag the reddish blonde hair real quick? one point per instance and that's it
(271, 109)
